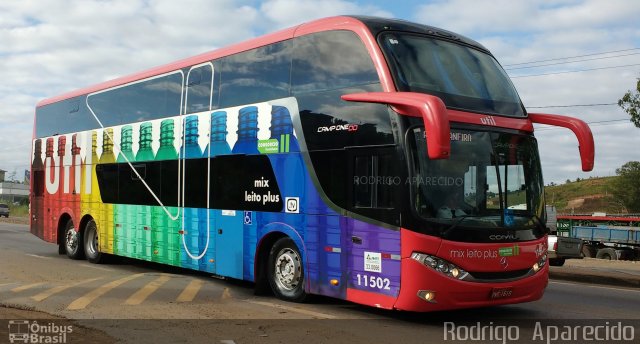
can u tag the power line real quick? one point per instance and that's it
(574, 71)
(566, 62)
(567, 106)
(570, 57)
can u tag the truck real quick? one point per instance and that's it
(560, 247)
(611, 237)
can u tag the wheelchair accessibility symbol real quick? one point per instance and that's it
(248, 216)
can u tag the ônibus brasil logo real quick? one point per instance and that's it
(25, 331)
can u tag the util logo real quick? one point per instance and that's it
(489, 120)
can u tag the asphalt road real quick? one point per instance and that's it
(139, 302)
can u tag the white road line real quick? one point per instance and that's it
(595, 286)
(292, 309)
(37, 256)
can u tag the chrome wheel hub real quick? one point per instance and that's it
(92, 242)
(288, 269)
(71, 240)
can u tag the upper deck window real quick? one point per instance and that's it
(330, 60)
(463, 77)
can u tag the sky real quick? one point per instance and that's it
(590, 53)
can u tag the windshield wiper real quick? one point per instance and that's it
(539, 220)
(455, 224)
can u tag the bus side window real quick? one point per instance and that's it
(330, 60)
(373, 181)
(199, 87)
(256, 75)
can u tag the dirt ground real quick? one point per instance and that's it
(17, 220)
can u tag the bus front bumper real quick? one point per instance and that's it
(426, 290)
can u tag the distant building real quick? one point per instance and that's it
(2, 172)
(14, 192)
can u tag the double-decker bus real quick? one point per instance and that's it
(372, 160)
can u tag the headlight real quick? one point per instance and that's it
(542, 261)
(440, 265)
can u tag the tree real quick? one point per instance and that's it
(627, 186)
(630, 103)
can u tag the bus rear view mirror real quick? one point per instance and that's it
(430, 108)
(579, 128)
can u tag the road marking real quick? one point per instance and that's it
(147, 290)
(25, 287)
(37, 256)
(292, 309)
(47, 293)
(84, 301)
(596, 286)
(226, 294)
(96, 267)
(190, 291)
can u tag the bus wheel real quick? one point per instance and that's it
(72, 241)
(286, 273)
(91, 250)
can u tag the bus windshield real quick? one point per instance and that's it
(463, 77)
(491, 180)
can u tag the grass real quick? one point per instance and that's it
(21, 210)
(594, 191)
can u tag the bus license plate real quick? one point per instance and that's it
(501, 293)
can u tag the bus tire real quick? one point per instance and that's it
(588, 251)
(91, 247)
(607, 253)
(73, 242)
(286, 271)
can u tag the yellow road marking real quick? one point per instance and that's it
(190, 291)
(45, 294)
(25, 287)
(84, 301)
(226, 294)
(147, 290)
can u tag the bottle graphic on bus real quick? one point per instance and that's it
(226, 226)
(106, 209)
(74, 175)
(61, 195)
(143, 212)
(37, 204)
(86, 173)
(124, 214)
(165, 238)
(49, 178)
(218, 145)
(94, 196)
(194, 220)
(247, 144)
(247, 131)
